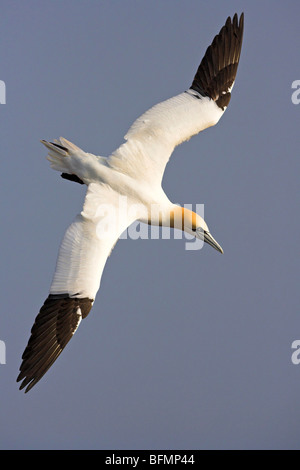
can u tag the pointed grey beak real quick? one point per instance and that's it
(208, 238)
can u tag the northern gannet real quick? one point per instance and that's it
(134, 171)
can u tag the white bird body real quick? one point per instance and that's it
(123, 188)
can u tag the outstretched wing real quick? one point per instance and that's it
(153, 136)
(82, 256)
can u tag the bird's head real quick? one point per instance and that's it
(192, 223)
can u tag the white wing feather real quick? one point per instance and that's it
(88, 242)
(153, 136)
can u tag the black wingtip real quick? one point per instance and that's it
(53, 328)
(217, 70)
(72, 177)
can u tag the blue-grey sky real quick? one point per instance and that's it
(183, 349)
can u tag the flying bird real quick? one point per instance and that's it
(132, 173)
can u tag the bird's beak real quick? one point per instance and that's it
(208, 238)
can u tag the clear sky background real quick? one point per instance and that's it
(183, 349)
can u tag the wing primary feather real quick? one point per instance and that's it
(217, 71)
(53, 328)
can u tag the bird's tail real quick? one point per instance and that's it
(58, 150)
(74, 164)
